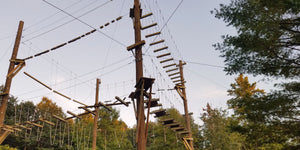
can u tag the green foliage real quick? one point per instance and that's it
(268, 37)
(6, 147)
(216, 131)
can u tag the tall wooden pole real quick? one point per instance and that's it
(96, 116)
(11, 67)
(141, 140)
(186, 111)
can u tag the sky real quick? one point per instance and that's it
(188, 28)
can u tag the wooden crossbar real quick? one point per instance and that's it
(34, 124)
(169, 65)
(61, 94)
(157, 42)
(46, 121)
(163, 55)
(174, 74)
(163, 61)
(175, 77)
(73, 114)
(153, 34)
(146, 15)
(88, 110)
(160, 49)
(148, 26)
(172, 70)
(133, 46)
(59, 118)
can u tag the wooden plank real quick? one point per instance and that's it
(148, 26)
(79, 102)
(163, 61)
(157, 42)
(146, 15)
(160, 49)
(46, 121)
(153, 34)
(163, 55)
(174, 74)
(34, 124)
(58, 46)
(61, 94)
(169, 65)
(59, 118)
(38, 81)
(175, 77)
(171, 70)
(135, 45)
(88, 110)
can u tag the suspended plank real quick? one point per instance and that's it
(169, 65)
(153, 34)
(88, 110)
(163, 61)
(157, 42)
(172, 70)
(163, 55)
(147, 15)
(102, 104)
(38, 81)
(34, 124)
(41, 53)
(75, 39)
(177, 81)
(62, 95)
(174, 74)
(175, 77)
(119, 18)
(157, 50)
(56, 47)
(59, 118)
(148, 26)
(46, 121)
(106, 24)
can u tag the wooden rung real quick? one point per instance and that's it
(88, 110)
(157, 50)
(6, 129)
(172, 124)
(59, 118)
(17, 129)
(157, 42)
(75, 39)
(183, 132)
(174, 74)
(148, 26)
(172, 70)
(177, 81)
(101, 27)
(178, 128)
(62, 95)
(56, 47)
(141, 43)
(106, 24)
(147, 15)
(37, 81)
(149, 35)
(46, 121)
(163, 61)
(73, 114)
(163, 55)
(35, 124)
(119, 18)
(120, 100)
(175, 77)
(41, 53)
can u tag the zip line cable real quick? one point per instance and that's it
(50, 16)
(77, 18)
(67, 22)
(78, 76)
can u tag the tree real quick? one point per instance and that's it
(268, 37)
(216, 131)
(264, 119)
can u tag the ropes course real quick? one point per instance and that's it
(143, 87)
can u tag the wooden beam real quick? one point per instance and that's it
(146, 15)
(160, 49)
(148, 26)
(120, 100)
(163, 61)
(135, 45)
(157, 42)
(153, 34)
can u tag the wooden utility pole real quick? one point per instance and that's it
(186, 111)
(141, 140)
(96, 115)
(10, 74)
